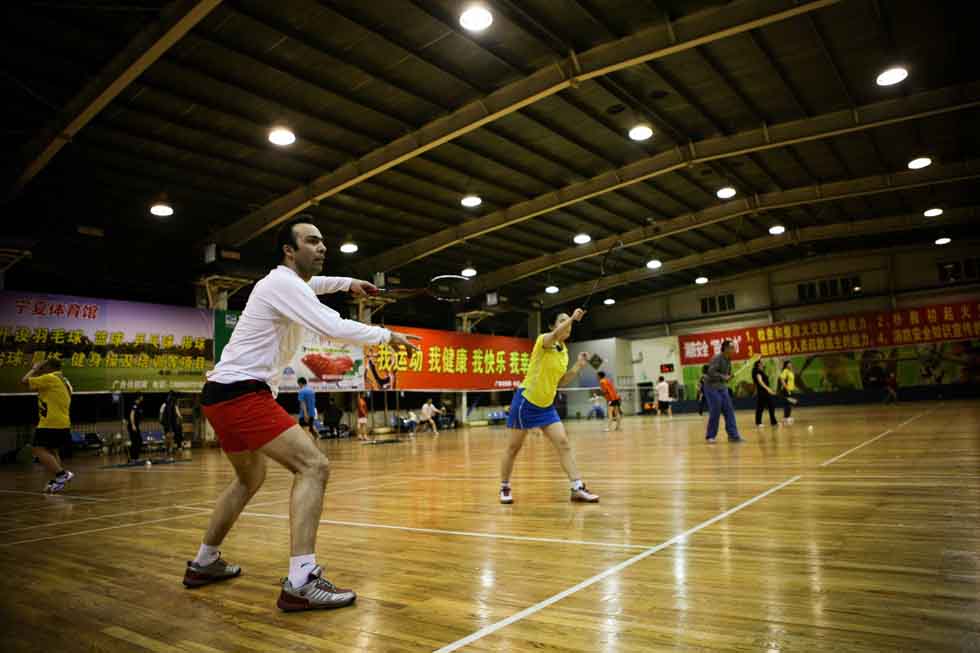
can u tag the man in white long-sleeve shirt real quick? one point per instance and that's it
(239, 401)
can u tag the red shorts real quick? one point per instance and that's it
(248, 422)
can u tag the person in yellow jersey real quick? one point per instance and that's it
(54, 424)
(533, 405)
(787, 386)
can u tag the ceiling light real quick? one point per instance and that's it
(701, 281)
(640, 132)
(551, 290)
(919, 163)
(476, 18)
(281, 136)
(932, 213)
(944, 241)
(471, 200)
(725, 193)
(348, 247)
(777, 230)
(162, 209)
(654, 263)
(892, 76)
(581, 239)
(609, 301)
(468, 271)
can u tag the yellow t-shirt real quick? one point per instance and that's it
(547, 366)
(53, 400)
(788, 379)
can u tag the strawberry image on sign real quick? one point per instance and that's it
(325, 366)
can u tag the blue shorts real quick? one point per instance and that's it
(525, 415)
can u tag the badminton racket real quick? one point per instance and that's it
(446, 288)
(603, 268)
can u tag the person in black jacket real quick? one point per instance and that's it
(133, 421)
(763, 394)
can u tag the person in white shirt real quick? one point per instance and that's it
(663, 397)
(428, 411)
(239, 402)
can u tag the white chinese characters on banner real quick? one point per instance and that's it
(696, 349)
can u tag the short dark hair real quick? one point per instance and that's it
(53, 364)
(661, 379)
(285, 235)
(787, 362)
(301, 380)
(601, 374)
(727, 344)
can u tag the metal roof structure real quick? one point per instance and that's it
(399, 112)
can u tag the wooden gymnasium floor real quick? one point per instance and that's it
(861, 535)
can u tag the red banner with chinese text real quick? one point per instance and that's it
(907, 326)
(448, 360)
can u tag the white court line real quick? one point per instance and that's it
(439, 531)
(537, 607)
(831, 461)
(45, 494)
(107, 528)
(75, 521)
(197, 512)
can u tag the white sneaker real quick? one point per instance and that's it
(582, 495)
(758, 426)
(506, 496)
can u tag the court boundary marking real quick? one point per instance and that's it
(196, 513)
(555, 598)
(477, 534)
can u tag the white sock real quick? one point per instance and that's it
(505, 484)
(206, 555)
(300, 568)
(577, 484)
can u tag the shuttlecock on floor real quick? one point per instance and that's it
(149, 463)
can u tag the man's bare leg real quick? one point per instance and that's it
(296, 452)
(249, 475)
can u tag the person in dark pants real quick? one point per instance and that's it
(763, 394)
(170, 422)
(716, 390)
(702, 400)
(133, 426)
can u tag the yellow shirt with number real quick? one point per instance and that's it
(53, 400)
(547, 366)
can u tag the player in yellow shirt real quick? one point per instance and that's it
(534, 405)
(787, 386)
(53, 430)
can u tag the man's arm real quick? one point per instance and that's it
(580, 362)
(298, 301)
(328, 285)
